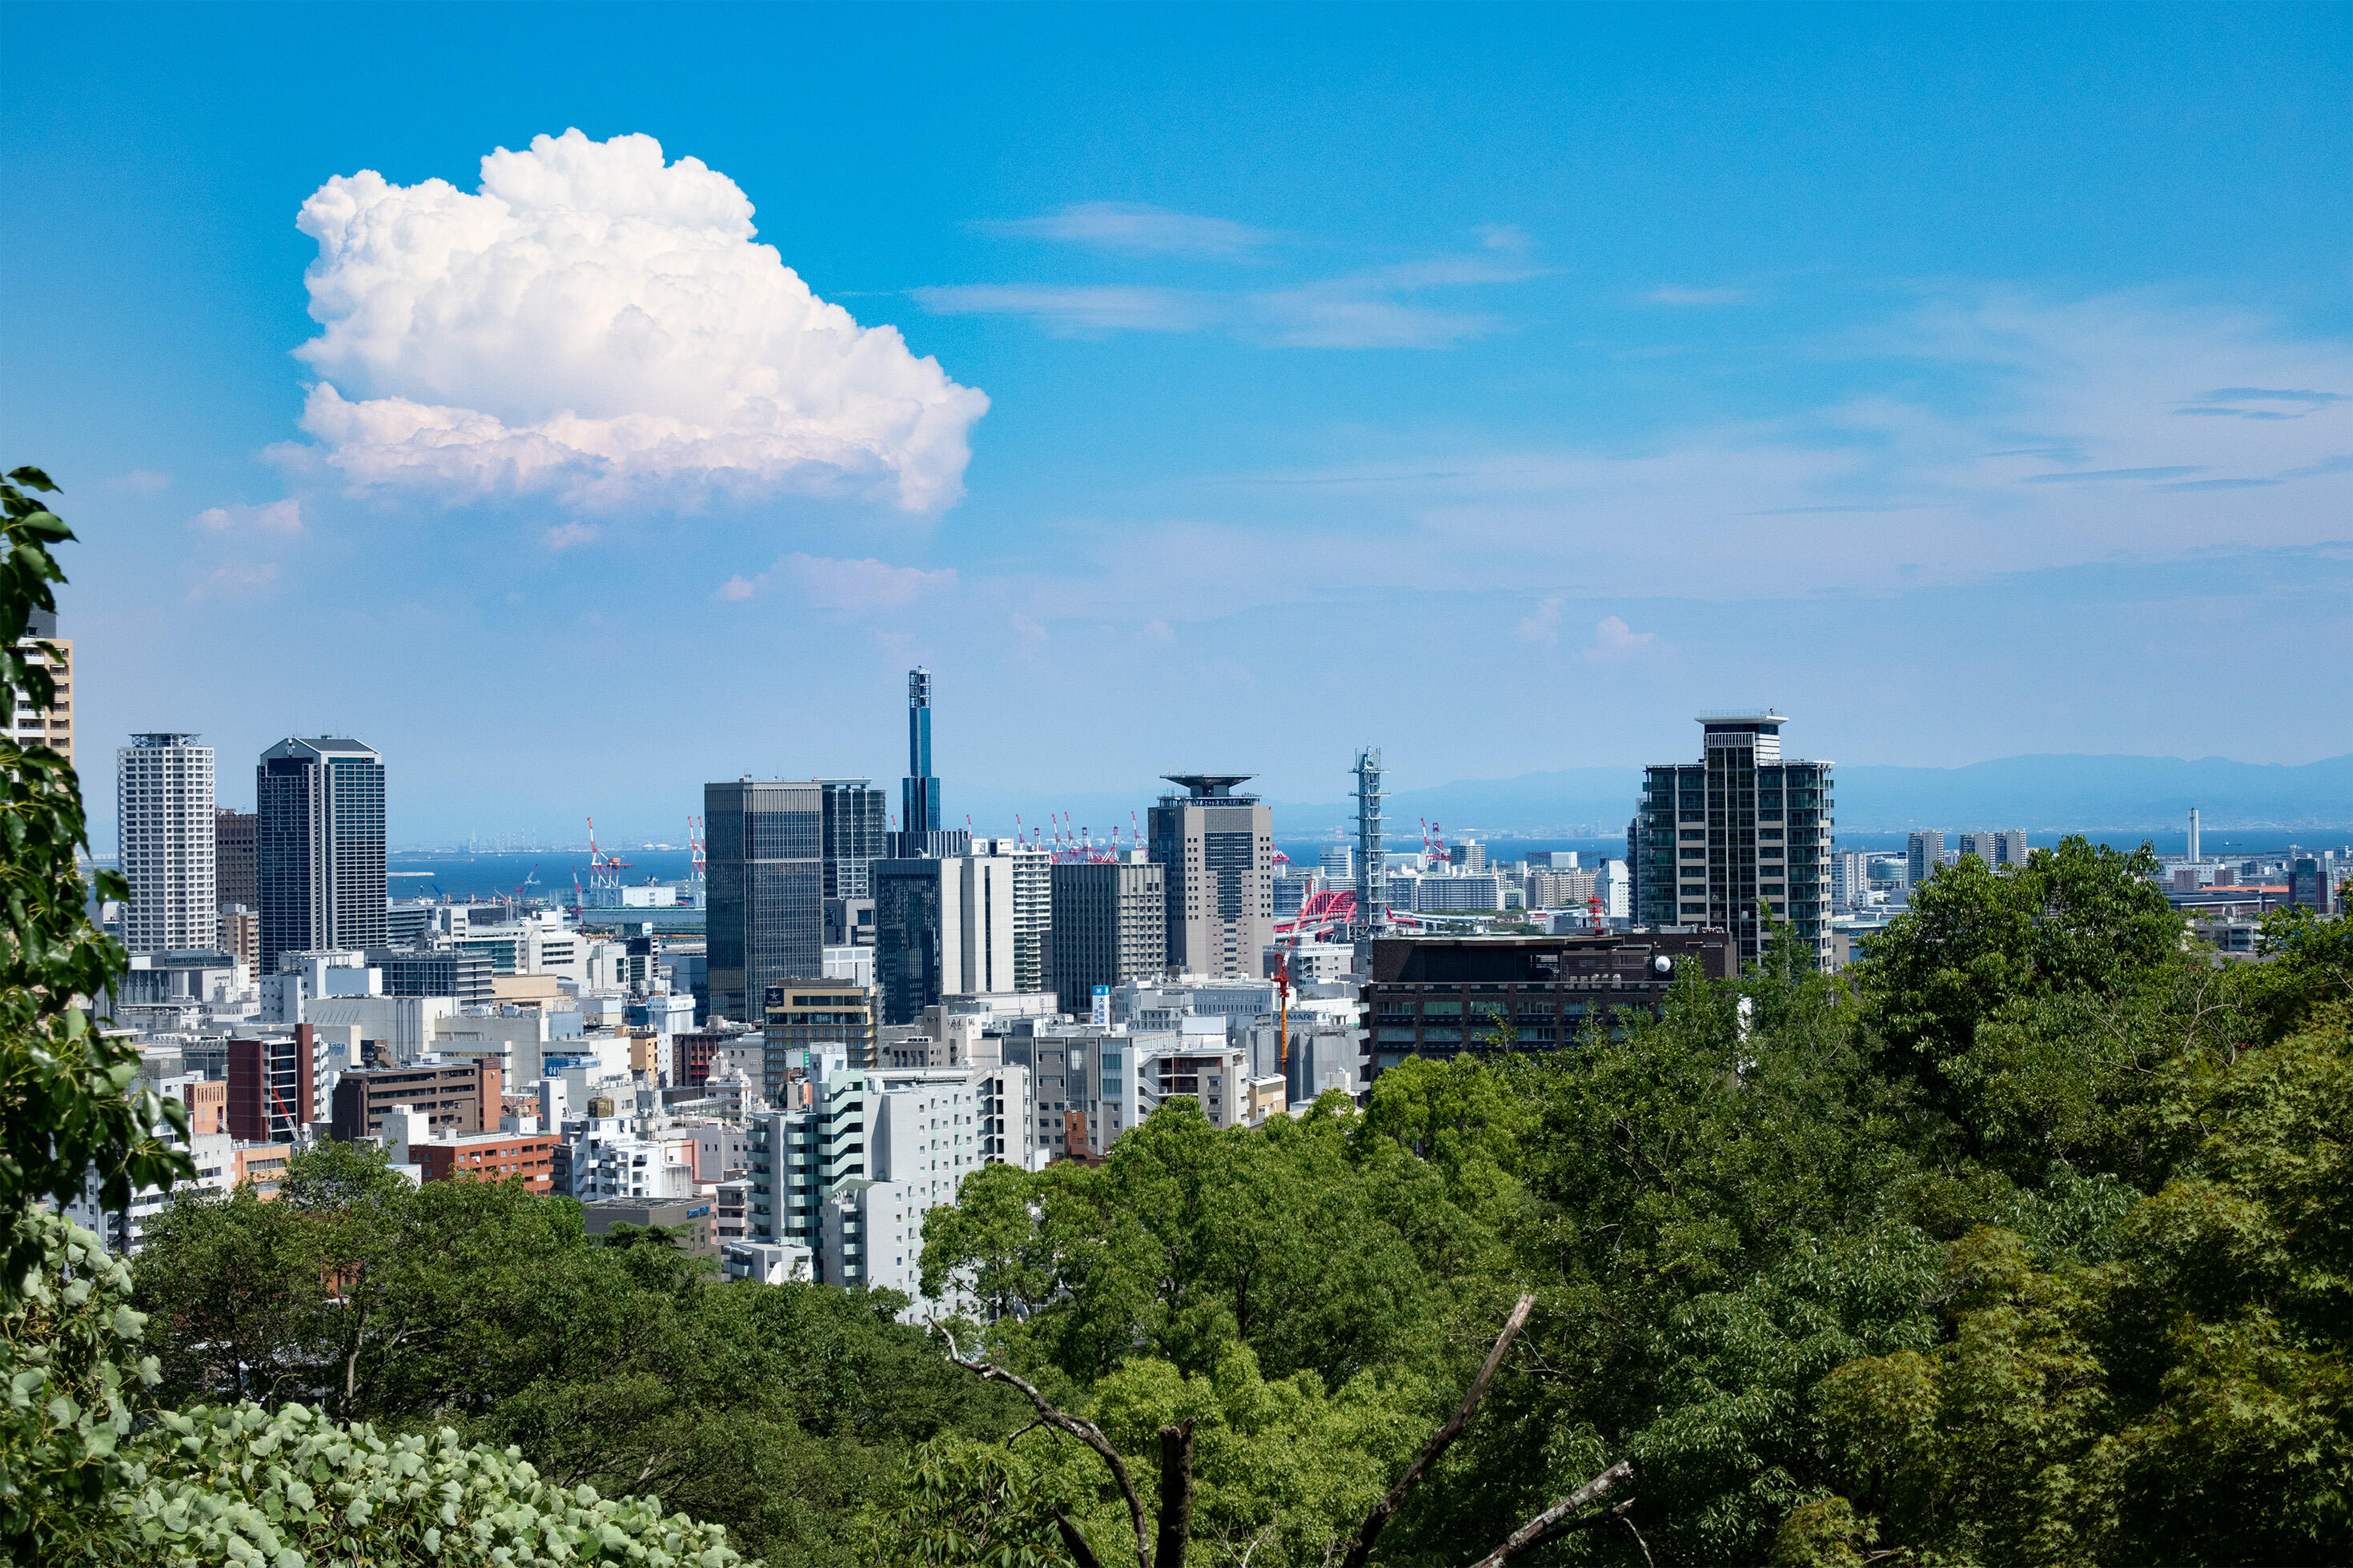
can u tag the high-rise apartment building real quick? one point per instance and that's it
(764, 884)
(233, 862)
(163, 804)
(1849, 878)
(943, 927)
(1338, 865)
(2008, 847)
(1217, 850)
(51, 726)
(1744, 826)
(1033, 909)
(319, 846)
(1980, 844)
(1110, 925)
(1922, 853)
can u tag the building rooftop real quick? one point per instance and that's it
(1210, 786)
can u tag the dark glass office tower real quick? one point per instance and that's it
(319, 848)
(765, 851)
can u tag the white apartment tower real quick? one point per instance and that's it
(163, 800)
(51, 726)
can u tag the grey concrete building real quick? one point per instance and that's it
(1111, 924)
(1216, 849)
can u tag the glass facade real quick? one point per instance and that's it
(319, 848)
(764, 884)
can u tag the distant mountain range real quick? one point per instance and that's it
(2038, 794)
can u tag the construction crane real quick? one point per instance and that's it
(604, 870)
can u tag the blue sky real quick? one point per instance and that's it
(1496, 385)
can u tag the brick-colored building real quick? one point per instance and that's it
(271, 1087)
(263, 1164)
(488, 1157)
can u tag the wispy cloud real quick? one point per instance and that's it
(566, 535)
(2228, 403)
(140, 483)
(278, 517)
(235, 581)
(2101, 476)
(1138, 229)
(858, 587)
(863, 585)
(1671, 294)
(1375, 309)
(1350, 316)
(1079, 311)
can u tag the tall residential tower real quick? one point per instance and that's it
(164, 795)
(1742, 827)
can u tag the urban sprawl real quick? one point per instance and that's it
(797, 1052)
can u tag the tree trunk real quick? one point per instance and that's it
(1175, 1494)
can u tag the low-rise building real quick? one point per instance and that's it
(455, 1096)
(1440, 996)
(695, 1218)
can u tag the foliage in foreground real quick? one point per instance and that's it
(71, 1109)
(91, 1470)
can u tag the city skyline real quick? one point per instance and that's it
(1960, 380)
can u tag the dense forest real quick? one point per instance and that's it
(2027, 1240)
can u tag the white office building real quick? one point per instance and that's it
(1478, 893)
(163, 793)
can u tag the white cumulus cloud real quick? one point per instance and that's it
(600, 325)
(276, 517)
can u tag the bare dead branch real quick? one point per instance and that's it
(1176, 1493)
(1534, 1532)
(1619, 1512)
(1360, 1548)
(1085, 1431)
